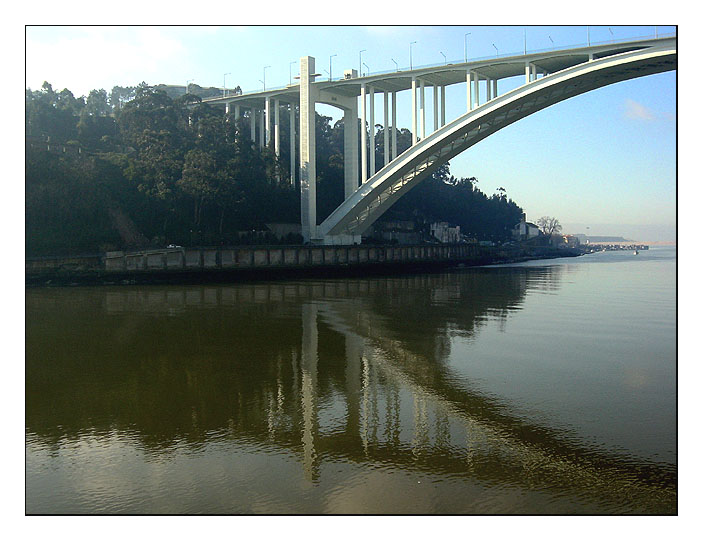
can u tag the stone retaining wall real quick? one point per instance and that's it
(287, 256)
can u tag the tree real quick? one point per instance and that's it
(549, 225)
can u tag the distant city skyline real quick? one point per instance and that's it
(606, 157)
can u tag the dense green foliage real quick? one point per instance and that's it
(138, 167)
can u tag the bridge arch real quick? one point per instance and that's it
(370, 200)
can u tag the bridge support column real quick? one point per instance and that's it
(372, 133)
(291, 131)
(227, 108)
(489, 90)
(435, 98)
(351, 150)
(469, 101)
(495, 88)
(422, 109)
(262, 134)
(443, 100)
(267, 121)
(413, 88)
(527, 72)
(534, 72)
(277, 127)
(364, 143)
(308, 173)
(475, 85)
(394, 135)
(386, 142)
(252, 125)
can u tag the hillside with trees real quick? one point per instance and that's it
(142, 166)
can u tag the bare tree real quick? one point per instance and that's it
(549, 225)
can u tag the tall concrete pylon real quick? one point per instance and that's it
(308, 173)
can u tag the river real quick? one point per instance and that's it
(540, 387)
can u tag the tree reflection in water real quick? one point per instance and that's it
(338, 370)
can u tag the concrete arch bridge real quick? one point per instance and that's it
(550, 77)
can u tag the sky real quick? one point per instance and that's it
(603, 163)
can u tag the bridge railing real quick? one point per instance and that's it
(475, 59)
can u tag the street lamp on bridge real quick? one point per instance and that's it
(224, 83)
(290, 73)
(396, 64)
(445, 57)
(411, 54)
(466, 47)
(496, 48)
(330, 72)
(264, 81)
(362, 50)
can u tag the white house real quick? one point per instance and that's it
(444, 233)
(525, 230)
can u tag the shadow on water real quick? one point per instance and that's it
(332, 370)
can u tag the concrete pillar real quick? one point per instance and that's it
(252, 125)
(527, 72)
(386, 142)
(394, 135)
(237, 114)
(534, 72)
(227, 108)
(489, 89)
(469, 101)
(495, 88)
(351, 150)
(276, 127)
(476, 96)
(291, 129)
(435, 98)
(422, 109)
(364, 143)
(262, 135)
(443, 105)
(372, 133)
(413, 88)
(267, 120)
(308, 173)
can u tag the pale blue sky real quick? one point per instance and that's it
(605, 160)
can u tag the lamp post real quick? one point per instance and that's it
(290, 73)
(224, 83)
(264, 81)
(496, 48)
(445, 57)
(330, 72)
(411, 54)
(396, 65)
(466, 47)
(362, 50)
(588, 35)
(367, 68)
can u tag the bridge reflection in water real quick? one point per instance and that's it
(325, 371)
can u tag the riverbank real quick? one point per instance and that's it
(247, 263)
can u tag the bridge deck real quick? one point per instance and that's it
(446, 74)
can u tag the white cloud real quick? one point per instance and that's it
(637, 111)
